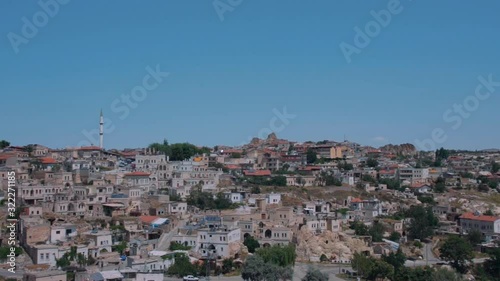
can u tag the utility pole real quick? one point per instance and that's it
(426, 255)
(208, 268)
(357, 271)
(210, 255)
(339, 259)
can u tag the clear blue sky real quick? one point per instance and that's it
(226, 77)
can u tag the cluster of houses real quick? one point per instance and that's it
(90, 200)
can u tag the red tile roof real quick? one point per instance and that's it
(128, 153)
(233, 167)
(257, 173)
(356, 200)
(471, 216)
(90, 148)
(137, 174)
(48, 160)
(311, 168)
(148, 219)
(6, 156)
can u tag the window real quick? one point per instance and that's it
(58, 232)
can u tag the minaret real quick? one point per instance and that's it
(101, 131)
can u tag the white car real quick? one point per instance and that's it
(190, 278)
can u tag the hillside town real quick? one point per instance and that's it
(172, 210)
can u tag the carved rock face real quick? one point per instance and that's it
(337, 246)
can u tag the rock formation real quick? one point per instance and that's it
(400, 149)
(272, 137)
(335, 246)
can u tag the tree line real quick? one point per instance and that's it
(179, 151)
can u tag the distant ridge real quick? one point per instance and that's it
(490, 150)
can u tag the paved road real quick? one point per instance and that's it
(429, 258)
(166, 238)
(7, 274)
(299, 272)
(332, 270)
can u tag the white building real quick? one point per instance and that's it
(273, 198)
(218, 241)
(488, 225)
(101, 240)
(413, 174)
(234, 197)
(62, 232)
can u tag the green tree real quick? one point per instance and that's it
(182, 267)
(5, 251)
(440, 185)
(422, 223)
(179, 151)
(313, 274)
(492, 265)
(251, 243)
(376, 232)
(391, 183)
(63, 261)
(278, 181)
(359, 228)
(253, 269)
(4, 144)
(442, 154)
(81, 260)
(458, 252)
(397, 260)
(311, 156)
(227, 266)
(475, 237)
(489, 213)
(363, 264)
(120, 248)
(426, 200)
(372, 162)
(369, 179)
(279, 255)
(174, 197)
(206, 201)
(443, 274)
(255, 190)
(345, 166)
(395, 236)
(380, 269)
(174, 246)
(495, 167)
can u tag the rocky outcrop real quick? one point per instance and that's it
(255, 141)
(272, 137)
(400, 149)
(335, 246)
